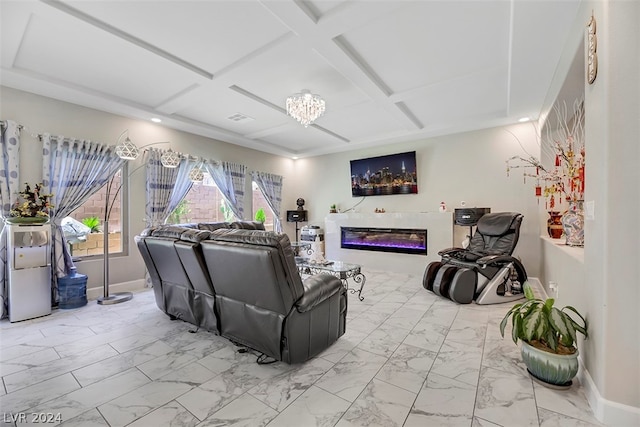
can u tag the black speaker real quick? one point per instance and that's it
(296, 216)
(469, 216)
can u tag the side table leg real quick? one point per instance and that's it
(359, 278)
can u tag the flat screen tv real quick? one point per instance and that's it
(384, 175)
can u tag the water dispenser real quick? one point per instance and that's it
(29, 271)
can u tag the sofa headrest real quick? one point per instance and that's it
(212, 226)
(147, 231)
(180, 233)
(254, 237)
(170, 231)
(498, 224)
(195, 236)
(247, 225)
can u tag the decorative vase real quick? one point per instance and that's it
(555, 369)
(27, 219)
(554, 225)
(573, 223)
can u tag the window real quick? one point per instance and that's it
(91, 213)
(259, 202)
(203, 203)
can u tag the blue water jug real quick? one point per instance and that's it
(72, 290)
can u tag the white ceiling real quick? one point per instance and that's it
(389, 70)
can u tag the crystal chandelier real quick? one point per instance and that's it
(305, 107)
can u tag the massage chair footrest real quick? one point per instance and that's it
(449, 281)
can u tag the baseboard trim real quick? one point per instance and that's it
(131, 286)
(606, 411)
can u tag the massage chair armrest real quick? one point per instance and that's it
(450, 251)
(317, 289)
(495, 259)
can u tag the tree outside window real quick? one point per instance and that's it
(259, 202)
(203, 203)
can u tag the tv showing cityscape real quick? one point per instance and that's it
(384, 175)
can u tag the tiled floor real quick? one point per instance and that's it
(408, 358)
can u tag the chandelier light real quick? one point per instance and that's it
(305, 107)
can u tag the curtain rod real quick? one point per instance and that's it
(6, 124)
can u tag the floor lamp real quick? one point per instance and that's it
(116, 297)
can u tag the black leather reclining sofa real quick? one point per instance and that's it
(241, 282)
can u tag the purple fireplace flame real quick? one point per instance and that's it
(401, 240)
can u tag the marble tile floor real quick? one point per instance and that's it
(408, 358)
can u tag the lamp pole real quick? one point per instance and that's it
(116, 297)
(133, 151)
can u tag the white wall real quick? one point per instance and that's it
(40, 114)
(468, 166)
(609, 293)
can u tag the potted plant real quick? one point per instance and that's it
(333, 209)
(34, 208)
(548, 337)
(260, 216)
(93, 222)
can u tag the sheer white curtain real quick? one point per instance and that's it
(271, 187)
(9, 187)
(230, 179)
(166, 187)
(72, 170)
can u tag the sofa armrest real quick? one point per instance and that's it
(317, 289)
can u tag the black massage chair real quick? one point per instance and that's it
(485, 271)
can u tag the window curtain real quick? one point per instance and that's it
(230, 179)
(72, 170)
(9, 187)
(271, 187)
(166, 187)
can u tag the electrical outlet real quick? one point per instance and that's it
(553, 289)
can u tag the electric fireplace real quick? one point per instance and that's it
(401, 240)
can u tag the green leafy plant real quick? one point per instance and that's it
(260, 216)
(180, 212)
(93, 222)
(540, 324)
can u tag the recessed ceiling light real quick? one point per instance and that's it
(523, 119)
(156, 120)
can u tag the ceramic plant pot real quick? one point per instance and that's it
(551, 368)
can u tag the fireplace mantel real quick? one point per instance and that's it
(439, 236)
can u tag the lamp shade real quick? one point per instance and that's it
(170, 159)
(126, 149)
(196, 174)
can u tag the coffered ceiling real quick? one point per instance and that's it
(389, 70)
